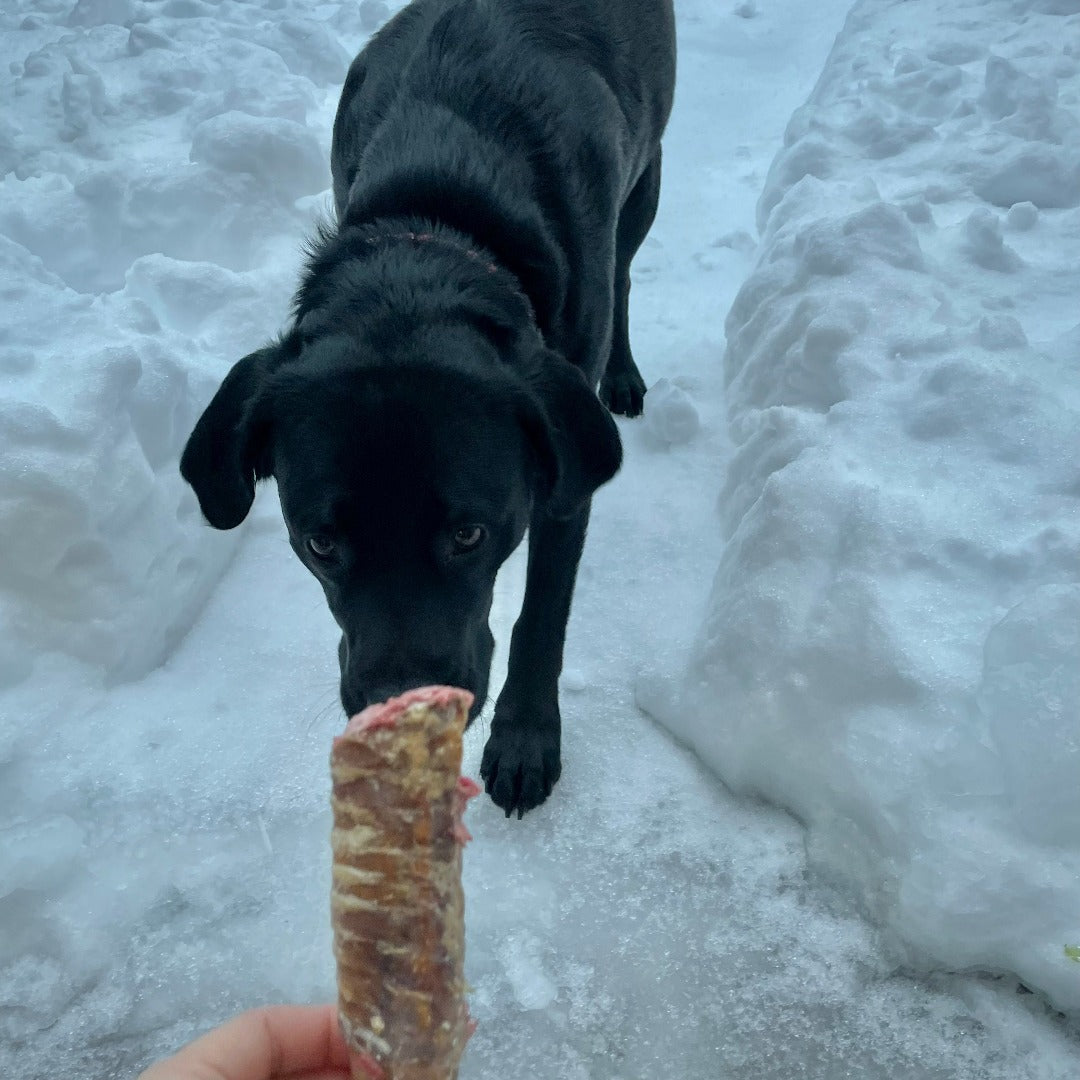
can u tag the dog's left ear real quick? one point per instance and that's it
(575, 438)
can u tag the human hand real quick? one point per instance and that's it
(278, 1042)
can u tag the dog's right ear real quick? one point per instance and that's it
(229, 450)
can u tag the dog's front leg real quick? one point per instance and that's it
(522, 758)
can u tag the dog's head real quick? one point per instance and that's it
(404, 486)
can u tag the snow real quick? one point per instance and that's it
(891, 646)
(672, 417)
(888, 651)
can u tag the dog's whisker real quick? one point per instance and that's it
(321, 714)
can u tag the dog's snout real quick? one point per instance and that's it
(374, 670)
(385, 691)
(357, 696)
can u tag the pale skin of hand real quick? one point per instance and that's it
(278, 1042)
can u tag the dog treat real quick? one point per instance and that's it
(397, 905)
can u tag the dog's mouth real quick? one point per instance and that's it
(353, 702)
(474, 710)
(360, 689)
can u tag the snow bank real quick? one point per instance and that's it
(892, 649)
(105, 555)
(126, 155)
(152, 160)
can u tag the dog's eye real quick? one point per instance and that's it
(321, 547)
(468, 538)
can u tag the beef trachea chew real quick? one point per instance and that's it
(397, 904)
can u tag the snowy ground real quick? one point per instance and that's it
(164, 729)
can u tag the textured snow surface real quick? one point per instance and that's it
(892, 646)
(888, 649)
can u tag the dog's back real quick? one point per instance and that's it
(630, 44)
(524, 123)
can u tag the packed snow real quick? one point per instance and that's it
(879, 450)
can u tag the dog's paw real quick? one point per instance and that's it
(520, 766)
(623, 392)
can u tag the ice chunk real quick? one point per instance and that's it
(309, 49)
(38, 854)
(984, 243)
(184, 295)
(1047, 176)
(1009, 91)
(285, 155)
(102, 12)
(1022, 216)
(1001, 332)
(671, 417)
(532, 987)
(573, 680)
(373, 13)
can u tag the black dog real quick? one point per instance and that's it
(496, 165)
